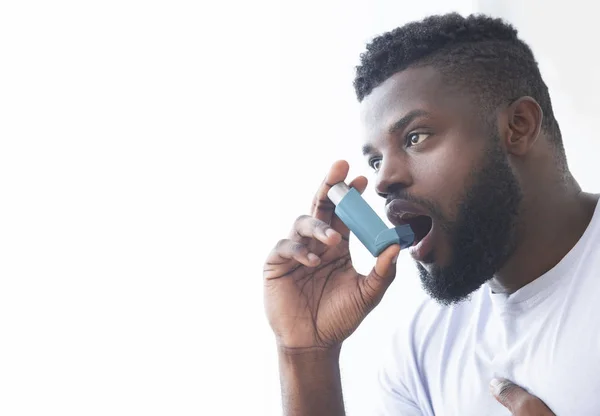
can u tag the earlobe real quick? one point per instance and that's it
(524, 125)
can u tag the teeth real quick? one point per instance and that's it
(407, 216)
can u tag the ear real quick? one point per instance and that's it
(524, 118)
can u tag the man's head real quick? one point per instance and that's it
(458, 122)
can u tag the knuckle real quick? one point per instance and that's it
(324, 203)
(308, 223)
(508, 395)
(320, 225)
(519, 401)
(288, 248)
(303, 222)
(506, 391)
(281, 244)
(301, 219)
(298, 248)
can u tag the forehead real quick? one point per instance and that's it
(420, 88)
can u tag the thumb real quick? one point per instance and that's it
(382, 274)
(516, 398)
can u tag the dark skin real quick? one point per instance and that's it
(550, 199)
(437, 168)
(314, 297)
(434, 169)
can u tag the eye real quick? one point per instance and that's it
(416, 138)
(375, 163)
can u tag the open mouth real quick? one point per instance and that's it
(401, 211)
(421, 226)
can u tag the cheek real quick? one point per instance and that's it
(445, 172)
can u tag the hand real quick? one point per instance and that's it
(518, 400)
(314, 298)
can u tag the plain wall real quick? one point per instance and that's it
(153, 152)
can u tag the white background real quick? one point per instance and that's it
(151, 153)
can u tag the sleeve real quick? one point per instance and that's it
(394, 398)
(398, 379)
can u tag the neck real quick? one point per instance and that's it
(551, 222)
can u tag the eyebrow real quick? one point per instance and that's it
(405, 121)
(397, 126)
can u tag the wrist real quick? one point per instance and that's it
(312, 365)
(310, 381)
(308, 354)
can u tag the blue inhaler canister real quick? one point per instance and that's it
(360, 218)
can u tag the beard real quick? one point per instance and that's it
(483, 235)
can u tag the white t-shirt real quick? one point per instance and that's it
(545, 337)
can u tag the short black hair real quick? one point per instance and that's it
(479, 51)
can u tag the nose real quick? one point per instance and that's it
(394, 175)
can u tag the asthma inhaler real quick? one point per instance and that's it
(360, 218)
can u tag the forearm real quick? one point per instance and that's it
(310, 383)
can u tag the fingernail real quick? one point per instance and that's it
(313, 258)
(495, 384)
(330, 232)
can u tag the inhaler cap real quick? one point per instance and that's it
(337, 192)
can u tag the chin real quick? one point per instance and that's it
(450, 285)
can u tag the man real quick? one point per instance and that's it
(460, 131)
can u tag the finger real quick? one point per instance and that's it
(322, 207)
(381, 276)
(360, 183)
(309, 227)
(286, 253)
(518, 400)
